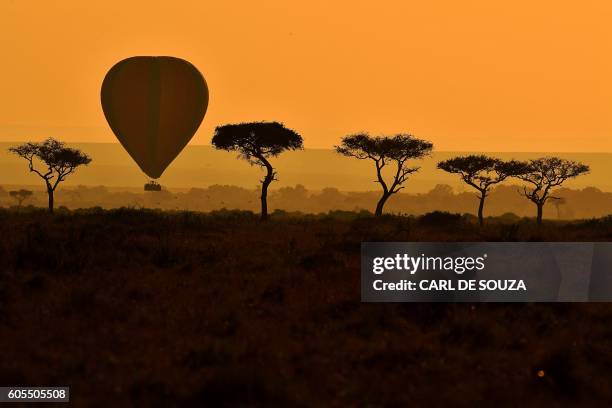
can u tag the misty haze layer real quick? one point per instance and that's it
(316, 169)
(503, 201)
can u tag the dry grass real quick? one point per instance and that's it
(144, 308)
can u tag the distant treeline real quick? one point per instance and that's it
(504, 199)
(258, 142)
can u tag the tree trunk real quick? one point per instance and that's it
(540, 210)
(480, 208)
(264, 191)
(50, 194)
(381, 204)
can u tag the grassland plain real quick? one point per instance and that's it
(151, 308)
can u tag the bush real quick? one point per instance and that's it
(440, 219)
(508, 217)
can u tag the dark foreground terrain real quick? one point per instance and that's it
(143, 308)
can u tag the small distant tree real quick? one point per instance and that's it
(382, 150)
(56, 162)
(558, 202)
(481, 172)
(20, 195)
(257, 142)
(543, 175)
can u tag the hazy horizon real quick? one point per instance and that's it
(458, 151)
(202, 166)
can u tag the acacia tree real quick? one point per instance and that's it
(60, 161)
(558, 202)
(20, 195)
(382, 150)
(543, 175)
(480, 172)
(256, 142)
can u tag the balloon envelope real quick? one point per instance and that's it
(154, 105)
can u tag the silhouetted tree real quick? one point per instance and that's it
(480, 172)
(20, 195)
(60, 162)
(257, 142)
(545, 174)
(383, 150)
(441, 191)
(558, 202)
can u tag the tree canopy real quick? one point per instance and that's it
(400, 147)
(60, 161)
(481, 172)
(382, 150)
(546, 173)
(255, 140)
(21, 195)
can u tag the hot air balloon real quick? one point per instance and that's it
(154, 105)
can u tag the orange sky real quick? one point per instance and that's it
(468, 75)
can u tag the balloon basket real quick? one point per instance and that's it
(152, 186)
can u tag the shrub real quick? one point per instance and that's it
(440, 219)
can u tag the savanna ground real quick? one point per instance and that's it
(149, 308)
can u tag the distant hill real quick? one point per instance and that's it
(202, 166)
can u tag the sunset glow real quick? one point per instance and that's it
(470, 75)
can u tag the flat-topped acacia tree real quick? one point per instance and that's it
(386, 150)
(60, 162)
(481, 172)
(257, 142)
(543, 175)
(21, 195)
